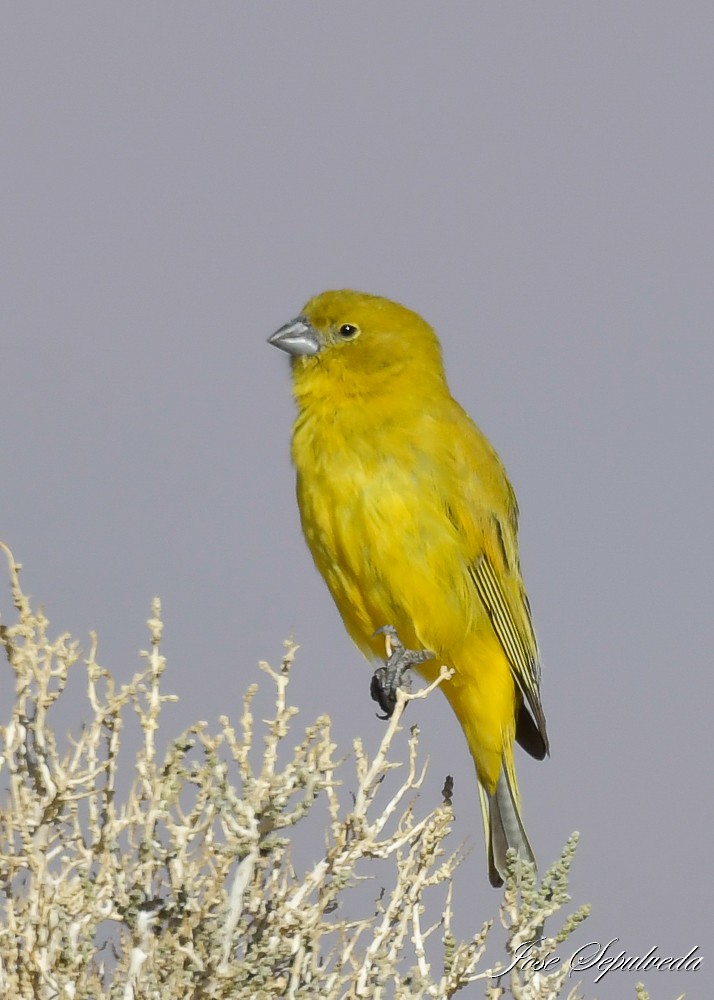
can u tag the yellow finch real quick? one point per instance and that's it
(412, 522)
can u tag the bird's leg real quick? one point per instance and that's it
(387, 679)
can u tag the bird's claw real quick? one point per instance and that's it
(388, 678)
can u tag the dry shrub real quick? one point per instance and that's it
(184, 886)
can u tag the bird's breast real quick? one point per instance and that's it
(375, 516)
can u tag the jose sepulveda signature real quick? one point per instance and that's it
(604, 959)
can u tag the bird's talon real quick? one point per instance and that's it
(381, 694)
(387, 679)
(392, 642)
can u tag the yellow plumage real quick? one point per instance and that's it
(412, 522)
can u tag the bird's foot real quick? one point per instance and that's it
(387, 679)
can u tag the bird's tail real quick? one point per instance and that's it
(502, 823)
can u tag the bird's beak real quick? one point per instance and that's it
(298, 338)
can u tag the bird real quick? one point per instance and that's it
(412, 522)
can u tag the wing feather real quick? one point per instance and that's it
(522, 652)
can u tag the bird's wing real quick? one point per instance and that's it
(487, 517)
(518, 642)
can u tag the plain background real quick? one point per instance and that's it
(536, 180)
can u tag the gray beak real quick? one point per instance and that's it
(297, 338)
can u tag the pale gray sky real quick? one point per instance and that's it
(536, 180)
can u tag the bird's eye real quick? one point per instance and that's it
(348, 332)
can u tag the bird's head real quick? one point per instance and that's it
(356, 344)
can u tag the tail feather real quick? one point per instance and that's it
(503, 826)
